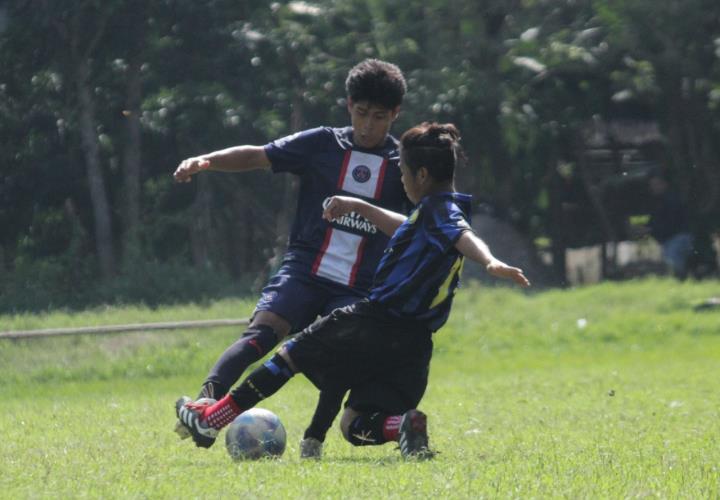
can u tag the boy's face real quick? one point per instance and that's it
(370, 122)
(413, 184)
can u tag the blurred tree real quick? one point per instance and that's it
(73, 36)
(100, 100)
(670, 61)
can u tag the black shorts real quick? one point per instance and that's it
(382, 360)
(300, 299)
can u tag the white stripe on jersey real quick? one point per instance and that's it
(341, 257)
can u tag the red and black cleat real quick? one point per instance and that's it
(191, 421)
(414, 437)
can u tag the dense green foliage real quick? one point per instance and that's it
(99, 101)
(525, 400)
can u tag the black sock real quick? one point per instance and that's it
(253, 345)
(328, 406)
(367, 429)
(210, 390)
(262, 383)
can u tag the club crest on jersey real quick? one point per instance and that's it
(361, 173)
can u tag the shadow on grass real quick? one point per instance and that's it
(363, 460)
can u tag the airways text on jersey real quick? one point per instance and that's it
(355, 223)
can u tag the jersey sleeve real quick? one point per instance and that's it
(293, 153)
(445, 226)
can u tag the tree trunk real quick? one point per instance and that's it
(289, 186)
(132, 160)
(557, 229)
(96, 181)
(594, 191)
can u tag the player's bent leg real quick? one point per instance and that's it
(273, 320)
(369, 428)
(203, 421)
(327, 408)
(264, 332)
(346, 419)
(284, 353)
(262, 383)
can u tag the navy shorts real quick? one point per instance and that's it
(300, 299)
(383, 361)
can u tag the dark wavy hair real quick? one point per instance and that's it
(434, 146)
(379, 82)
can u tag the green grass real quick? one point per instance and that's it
(610, 391)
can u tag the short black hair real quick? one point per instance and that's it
(434, 146)
(379, 82)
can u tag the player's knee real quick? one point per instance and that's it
(260, 336)
(285, 355)
(280, 326)
(348, 416)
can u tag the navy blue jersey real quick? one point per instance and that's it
(327, 163)
(418, 275)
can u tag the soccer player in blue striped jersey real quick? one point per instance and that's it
(380, 347)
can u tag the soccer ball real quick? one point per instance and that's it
(255, 434)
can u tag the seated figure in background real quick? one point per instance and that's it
(669, 225)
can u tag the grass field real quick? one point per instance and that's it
(610, 391)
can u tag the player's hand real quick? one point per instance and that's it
(190, 167)
(336, 206)
(501, 270)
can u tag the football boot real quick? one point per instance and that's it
(311, 448)
(413, 436)
(190, 421)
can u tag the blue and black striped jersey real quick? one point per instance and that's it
(418, 274)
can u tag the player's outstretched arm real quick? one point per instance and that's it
(475, 249)
(386, 220)
(235, 159)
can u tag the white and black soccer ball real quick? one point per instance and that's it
(255, 434)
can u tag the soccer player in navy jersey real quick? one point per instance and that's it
(328, 264)
(380, 347)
